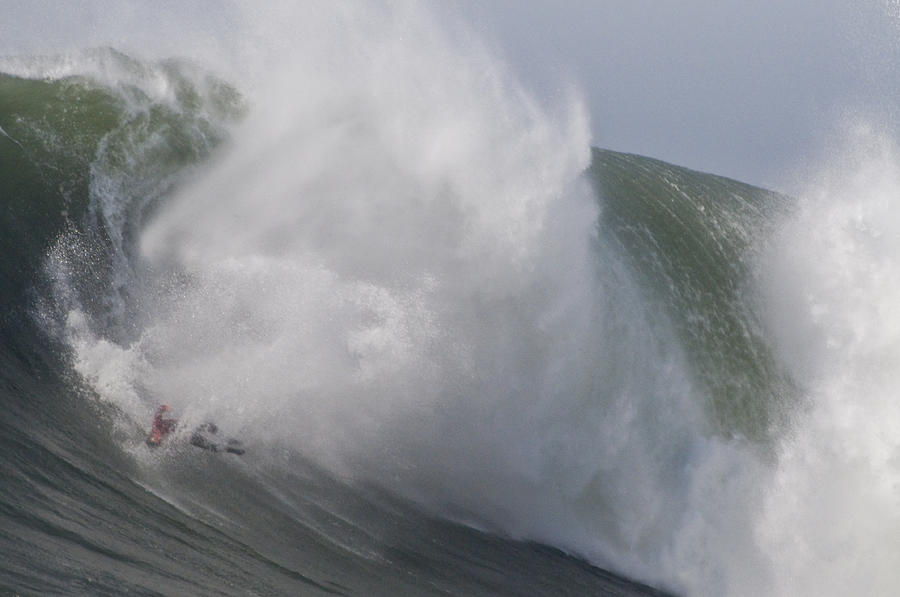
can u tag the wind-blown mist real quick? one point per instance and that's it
(832, 292)
(393, 267)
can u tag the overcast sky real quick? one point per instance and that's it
(755, 90)
(752, 90)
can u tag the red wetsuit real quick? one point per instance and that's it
(161, 427)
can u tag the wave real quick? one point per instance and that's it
(449, 333)
(123, 299)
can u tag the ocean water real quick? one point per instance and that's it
(466, 352)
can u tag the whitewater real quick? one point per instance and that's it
(467, 353)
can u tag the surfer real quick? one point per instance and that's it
(200, 437)
(161, 427)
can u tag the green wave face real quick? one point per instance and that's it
(691, 239)
(51, 131)
(91, 152)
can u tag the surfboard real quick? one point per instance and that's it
(205, 437)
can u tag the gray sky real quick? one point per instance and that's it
(752, 90)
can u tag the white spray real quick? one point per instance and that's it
(393, 268)
(832, 515)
